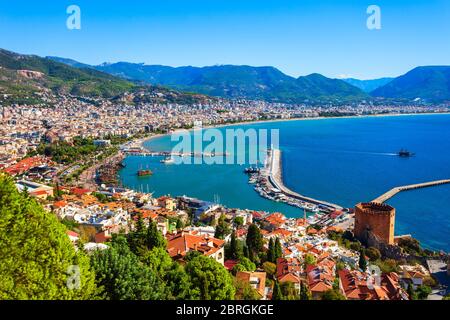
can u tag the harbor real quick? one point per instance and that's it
(142, 152)
(269, 184)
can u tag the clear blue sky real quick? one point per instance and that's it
(297, 36)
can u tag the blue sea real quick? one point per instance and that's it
(344, 161)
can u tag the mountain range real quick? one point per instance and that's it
(23, 79)
(21, 76)
(428, 84)
(230, 81)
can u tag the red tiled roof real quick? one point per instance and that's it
(60, 204)
(229, 264)
(79, 191)
(72, 233)
(101, 237)
(180, 244)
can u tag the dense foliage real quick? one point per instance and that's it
(64, 152)
(37, 259)
(209, 279)
(122, 276)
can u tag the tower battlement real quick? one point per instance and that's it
(376, 218)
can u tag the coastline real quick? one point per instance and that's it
(430, 245)
(279, 175)
(141, 141)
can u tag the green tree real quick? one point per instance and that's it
(278, 250)
(333, 294)
(271, 251)
(144, 238)
(172, 274)
(288, 291)
(137, 237)
(123, 276)
(179, 224)
(246, 252)
(154, 237)
(222, 228)
(270, 268)
(373, 253)
(209, 279)
(245, 264)
(254, 241)
(362, 261)
(423, 292)
(304, 294)
(411, 292)
(244, 291)
(233, 249)
(276, 294)
(239, 221)
(37, 259)
(309, 260)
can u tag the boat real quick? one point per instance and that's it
(405, 153)
(144, 173)
(251, 170)
(167, 160)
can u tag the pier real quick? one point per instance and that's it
(273, 168)
(172, 154)
(391, 193)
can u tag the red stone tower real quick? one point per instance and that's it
(377, 219)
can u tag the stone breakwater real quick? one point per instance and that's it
(274, 168)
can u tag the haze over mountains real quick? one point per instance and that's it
(368, 85)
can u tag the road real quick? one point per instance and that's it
(438, 269)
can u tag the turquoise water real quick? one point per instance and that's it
(344, 161)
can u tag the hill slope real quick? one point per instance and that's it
(22, 76)
(431, 83)
(23, 79)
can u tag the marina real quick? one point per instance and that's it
(269, 184)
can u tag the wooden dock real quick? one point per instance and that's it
(391, 193)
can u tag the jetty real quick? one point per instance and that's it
(391, 193)
(142, 153)
(273, 168)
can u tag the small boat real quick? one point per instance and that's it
(252, 170)
(144, 173)
(405, 153)
(167, 160)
